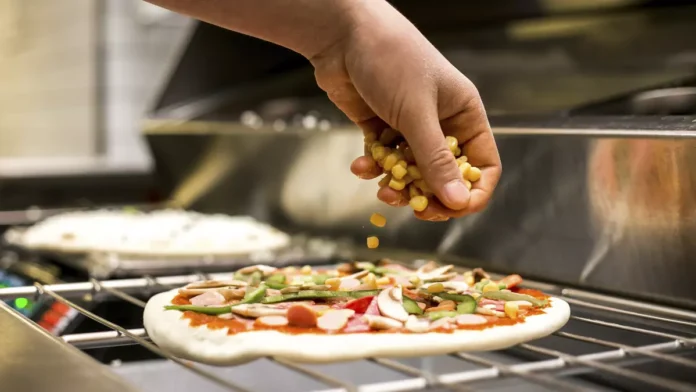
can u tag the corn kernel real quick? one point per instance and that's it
(457, 152)
(413, 191)
(462, 159)
(468, 184)
(370, 137)
(385, 180)
(398, 172)
(383, 281)
(475, 295)
(333, 283)
(452, 143)
(372, 242)
(414, 172)
(436, 288)
(390, 161)
(388, 136)
(464, 169)
(378, 220)
(306, 270)
(418, 203)
(511, 309)
(397, 185)
(474, 174)
(416, 281)
(370, 280)
(490, 287)
(379, 153)
(402, 163)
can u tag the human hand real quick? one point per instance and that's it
(385, 74)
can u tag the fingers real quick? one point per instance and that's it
(421, 128)
(365, 168)
(393, 197)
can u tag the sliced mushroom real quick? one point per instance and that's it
(357, 275)
(349, 284)
(231, 294)
(470, 319)
(459, 287)
(194, 292)
(258, 310)
(207, 284)
(391, 307)
(426, 268)
(265, 269)
(414, 324)
(437, 275)
(489, 312)
(380, 322)
(480, 274)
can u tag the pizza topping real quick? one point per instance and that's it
(206, 284)
(302, 316)
(208, 298)
(380, 322)
(335, 319)
(391, 305)
(470, 319)
(359, 305)
(414, 324)
(273, 321)
(361, 297)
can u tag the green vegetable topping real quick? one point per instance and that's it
(441, 314)
(411, 306)
(212, 310)
(254, 295)
(510, 296)
(467, 305)
(317, 294)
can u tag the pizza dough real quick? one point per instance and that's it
(159, 233)
(171, 332)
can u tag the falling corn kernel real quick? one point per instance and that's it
(372, 242)
(378, 220)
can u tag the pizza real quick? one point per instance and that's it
(346, 312)
(157, 233)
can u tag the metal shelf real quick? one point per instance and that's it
(551, 368)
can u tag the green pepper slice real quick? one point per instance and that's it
(411, 306)
(317, 294)
(276, 281)
(510, 296)
(255, 278)
(254, 296)
(441, 314)
(467, 305)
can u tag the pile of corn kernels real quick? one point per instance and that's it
(395, 158)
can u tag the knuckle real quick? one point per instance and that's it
(438, 162)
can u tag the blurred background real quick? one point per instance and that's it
(120, 104)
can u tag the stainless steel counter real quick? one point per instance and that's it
(33, 360)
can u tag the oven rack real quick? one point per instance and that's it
(552, 372)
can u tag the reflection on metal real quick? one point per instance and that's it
(33, 360)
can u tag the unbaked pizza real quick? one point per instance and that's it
(157, 233)
(352, 311)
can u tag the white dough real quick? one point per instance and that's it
(214, 346)
(164, 232)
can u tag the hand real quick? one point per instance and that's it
(384, 73)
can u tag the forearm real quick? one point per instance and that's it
(305, 26)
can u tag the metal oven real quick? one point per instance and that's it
(594, 112)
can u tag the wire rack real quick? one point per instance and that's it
(622, 334)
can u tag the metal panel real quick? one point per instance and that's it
(33, 360)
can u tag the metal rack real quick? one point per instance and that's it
(668, 337)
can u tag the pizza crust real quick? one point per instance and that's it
(213, 346)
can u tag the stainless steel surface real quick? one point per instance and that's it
(610, 348)
(33, 360)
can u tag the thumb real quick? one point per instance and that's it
(435, 161)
